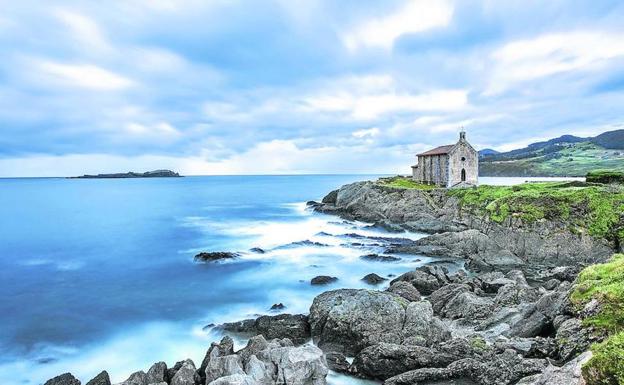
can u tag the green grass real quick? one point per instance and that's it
(605, 176)
(598, 209)
(606, 367)
(604, 283)
(571, 160)
(402, 182)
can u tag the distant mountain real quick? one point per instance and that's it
(148, 174)
(567, 155)
(486, 152)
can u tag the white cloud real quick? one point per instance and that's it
(366, 107)
(414, 16)
(158, 129)
(551, 54)
(84, 29)
(370, 132)
(83, 76)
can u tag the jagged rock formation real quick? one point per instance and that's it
(459, 232)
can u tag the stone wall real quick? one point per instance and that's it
(432, 169)
(470, 164)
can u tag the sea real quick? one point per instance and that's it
(98, 274)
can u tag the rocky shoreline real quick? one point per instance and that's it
(506, 319)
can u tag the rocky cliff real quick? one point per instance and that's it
(470, 231)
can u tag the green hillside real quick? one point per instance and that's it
(564, 156)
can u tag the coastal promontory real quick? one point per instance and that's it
(132, 174)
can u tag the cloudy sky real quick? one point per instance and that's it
(296, 86)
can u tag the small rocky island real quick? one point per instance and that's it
(539, 301)
(131, 174)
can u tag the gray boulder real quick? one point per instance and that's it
(224, 366)
(443, 295)
(573, 339)
(235, 379)
(405, 290)
(373, 279)
(100, 379)
(323, 280)
(538, 319)
(348, 320)
(492, 369)
(468, 305)
(136, 378)
(568, 374)
(63, 379)
(337, 362)
(292, 326)
(385, 360)
(157, 373)
(303, 365)
(264, 363)
(215, 256)
(186, 375)
(223, 348)
(423, 282)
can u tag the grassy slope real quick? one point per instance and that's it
(571, 160)
(604, 283)
(597, 209)
(593, 208)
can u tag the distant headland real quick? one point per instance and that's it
(131, 174)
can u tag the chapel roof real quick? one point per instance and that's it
(442, 150)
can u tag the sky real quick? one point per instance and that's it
(294, 86)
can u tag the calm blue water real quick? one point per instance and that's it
(98, 274)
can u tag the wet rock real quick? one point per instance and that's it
(224, 348)
(500, 369)
(337, 362)
(568, 374)
(224, 366)
(323, 280)
(552, 284)
(235, 379)
(278, 306)
(493, 281)
(296, 365)
(514, 294)
(292, 326)
(538, 319)
(380, 258)
(443, 295)
(386, 360)
(468, 305)
(186, 375)
(215, 256)
(101, 379)
(331, 197)
(136, 378)
(573, 339)
(257, 250)
(373, 279)
(536, 347)
(306, 242)
(425, 282)
(405, 290)
(348, 320)
(63, 379)
(171, 372)
(157, 373)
